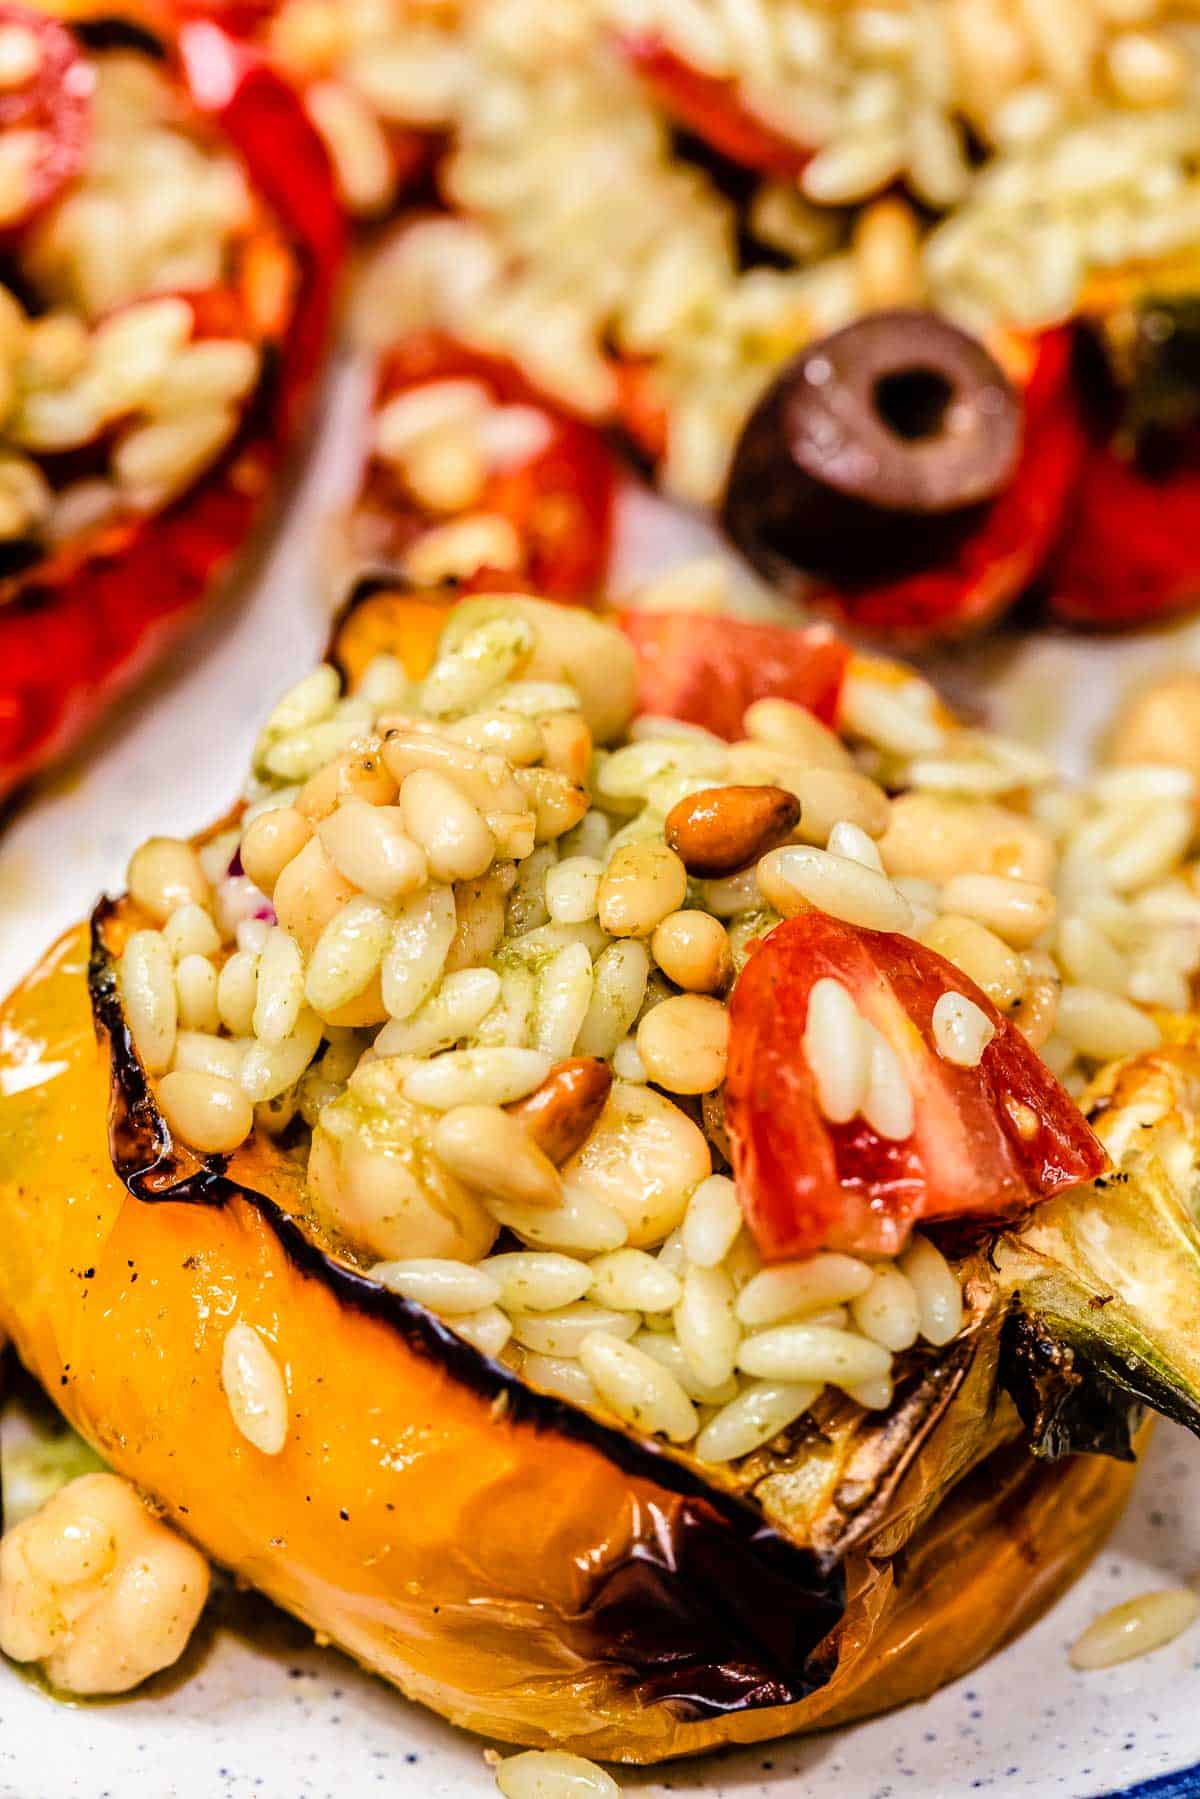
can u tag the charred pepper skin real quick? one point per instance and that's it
(81, 627)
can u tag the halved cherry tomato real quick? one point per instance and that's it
(1129, 553)
(988, 1142)
(1006, 548)
(80, 627)
(706, 670)
(51, 109)
(713, 108)
(559, 500)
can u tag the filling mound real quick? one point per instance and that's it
(468, 953)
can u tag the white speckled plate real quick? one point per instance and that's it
(258, 1713)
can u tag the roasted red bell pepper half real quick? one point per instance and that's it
(80, 626)
(986, 1142)
(1129, 553)
(713, 108)
(553, 482)
(706, 670)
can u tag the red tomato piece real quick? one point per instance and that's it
(52, 107)
(998, 559)
(707, 670)
(988, 1141)
(1130, 549)
(712, 107)
(559, 501)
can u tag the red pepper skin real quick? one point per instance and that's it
(412, 152)
(560, 501)
(80, 628)
(259, 113)
(713, 108)
(1129, 553)
(706, 670)
(998, 560)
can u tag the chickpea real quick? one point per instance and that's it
(643, 1158)
(692, 949)
(165, 873)
(683, 1043)
(269, 843)
(641, 885)
(97, 1589)
(308, 892)
(373, 1172)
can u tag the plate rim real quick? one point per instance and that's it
(1184, 1783)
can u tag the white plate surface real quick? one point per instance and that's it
(262, 1715)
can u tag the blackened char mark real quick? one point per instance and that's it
(1064, 1401)
(143, 1152)
(367, 583)
(707, 1622)
(110, 31)
(710, 1611)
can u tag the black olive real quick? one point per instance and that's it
(873, 451)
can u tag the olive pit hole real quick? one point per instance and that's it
(913, 402)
